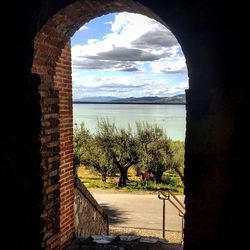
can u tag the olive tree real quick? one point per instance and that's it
(88, 152)
(81, 141)
(155, 149)
(120, 147)
(178, 149)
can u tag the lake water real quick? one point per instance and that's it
(172, 118)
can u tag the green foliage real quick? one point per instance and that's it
(88, 152)
(178, 149)
(97, 159)
(135, 184)
(155, 148)
(120, 147)
(81, 141)
(113, 150)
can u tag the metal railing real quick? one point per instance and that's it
(165, 194)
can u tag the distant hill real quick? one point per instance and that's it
(177, 99)
(96, 99)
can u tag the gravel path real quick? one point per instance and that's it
(171, 237)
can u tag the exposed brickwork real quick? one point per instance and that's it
(63, 84)
(56, 139)
(50, 149)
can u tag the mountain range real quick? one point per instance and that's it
(177, 99)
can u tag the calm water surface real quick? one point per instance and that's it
(172, 118)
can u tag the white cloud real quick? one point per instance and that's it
(177, 88)
(144, 39)
(167, 65)
(128, 27)
(135, 44)
(174, 62)
(125, 85)
(167, 91)
(83, 28)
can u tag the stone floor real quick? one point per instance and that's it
(122, 242)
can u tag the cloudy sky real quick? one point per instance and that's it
(124, 55)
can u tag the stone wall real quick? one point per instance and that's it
(90, 218)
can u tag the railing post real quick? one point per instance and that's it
(163, 222)
(176, 203)
(182, 228)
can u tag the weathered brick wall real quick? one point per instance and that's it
(57, 149)
(54, 67)
(50, 145)
(51, 162)
(90, 218)
(63, 83)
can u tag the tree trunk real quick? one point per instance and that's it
(138, 172)
(178, 171)
(123, 178)
(104, 177)
(158, 177)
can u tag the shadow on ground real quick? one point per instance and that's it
(115, 215)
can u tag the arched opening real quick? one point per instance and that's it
(129, 68)
(52, 64)
(208, 158)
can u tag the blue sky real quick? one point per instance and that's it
(124, 55)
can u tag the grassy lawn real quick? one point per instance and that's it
(92, 180)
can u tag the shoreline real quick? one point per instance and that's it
(143, 103)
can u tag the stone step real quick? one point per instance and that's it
(121, 242)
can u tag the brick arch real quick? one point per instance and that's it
(52, 62)
(53, 36)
